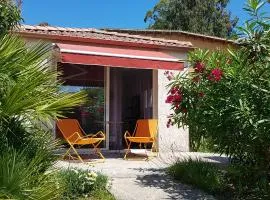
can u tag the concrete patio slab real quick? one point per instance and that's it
(146, 180)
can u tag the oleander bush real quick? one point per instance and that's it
(226, 99)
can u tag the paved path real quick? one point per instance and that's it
(141, 180)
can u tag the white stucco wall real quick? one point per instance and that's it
(169, 139)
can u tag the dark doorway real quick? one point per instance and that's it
(130, 99)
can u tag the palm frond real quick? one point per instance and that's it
(30, 85)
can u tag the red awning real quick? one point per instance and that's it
(118, 57)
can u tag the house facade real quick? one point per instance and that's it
(123, 76)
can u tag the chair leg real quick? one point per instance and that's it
(145, 149)
(76, 152)
(97, 150)
(67, 153)
(128, 151)
(154, 147)
(153, 144)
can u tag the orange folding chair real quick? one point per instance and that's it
(74, 135)
(145, 133)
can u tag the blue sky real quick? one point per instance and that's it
(99, 13)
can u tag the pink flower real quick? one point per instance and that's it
(174, 90)
(199, 67)
(169, 99)
(215, 75)
(177, 98)
(169, 75)
(177, 106)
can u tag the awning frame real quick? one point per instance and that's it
(118, 55)
(78, 54)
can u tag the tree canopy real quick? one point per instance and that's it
(9, 15)
(199, 16)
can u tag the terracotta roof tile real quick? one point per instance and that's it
(102, 34)
(142, 31)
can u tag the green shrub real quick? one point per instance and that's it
(233, 182)
(248, 182)
(101, 195)
(100, 191)
(225, 99)
(21, 178)
(82, 183)
(101, 182)
(204, 175)
(30, 142)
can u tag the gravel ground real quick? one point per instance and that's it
(145, 180)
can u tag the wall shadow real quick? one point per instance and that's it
(159, 179)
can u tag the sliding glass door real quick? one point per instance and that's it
(89, 79)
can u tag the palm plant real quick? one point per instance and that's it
(30, 93)
(20, 179)
(30, 99)
(29, 86)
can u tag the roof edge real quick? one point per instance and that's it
(169, 32)
(55, 37)
(55, 32)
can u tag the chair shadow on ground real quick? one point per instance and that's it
(159, 179)
(108, 155)
(120, 155)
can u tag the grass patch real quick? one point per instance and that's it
(100, 191)
(233, 182)
(101, 194)
(206, 176)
